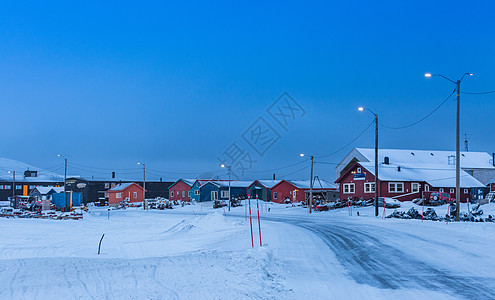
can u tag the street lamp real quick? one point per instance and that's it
(144, 186)
(65, 178)
(223, 166)
(310, 183)
(13, 185)
(458, 141)
(376, 158)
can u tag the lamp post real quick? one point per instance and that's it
(310, 183)
(458, 141)
(376, 158)
(65, 178)
(223, 166)
(144, 186)
(13, 185)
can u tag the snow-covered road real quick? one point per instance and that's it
(198, 253)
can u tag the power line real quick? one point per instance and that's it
(283, 176)
(422, 119)
(276, 169)
(358, 136)
(478, 93)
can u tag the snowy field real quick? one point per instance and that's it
(195, 252)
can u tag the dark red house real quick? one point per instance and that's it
(181, 190)
(297, 190)
(401, 182)
(132, 192)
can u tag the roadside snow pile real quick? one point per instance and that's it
(431, 215)
(209, 223)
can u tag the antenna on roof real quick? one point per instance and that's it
(466, 142)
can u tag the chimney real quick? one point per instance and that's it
(274, 176)
(161, 179)
(386, 160)
(113, 174)
(398, 168)
(493, 159)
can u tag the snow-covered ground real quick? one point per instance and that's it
(196, 252)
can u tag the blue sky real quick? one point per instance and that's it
(174, 85)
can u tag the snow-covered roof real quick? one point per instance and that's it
(469, 160)
(317, 184)
(269, 183)
(233, 183)
(189, 182)
(122, 186)
(7, 165)
(43, 190)
(436, 177)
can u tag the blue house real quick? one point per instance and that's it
(219, 190)
(262, 189)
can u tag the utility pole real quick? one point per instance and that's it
(376, 165)
(145, 204)
(457, 142)
(229, 189)
(65, 178)
(311, 186)
(13, 186)
(458, 155)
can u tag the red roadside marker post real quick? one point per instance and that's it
(250, 221)
(259, 224)
(448, 212)
(384, 206)
(423, 211)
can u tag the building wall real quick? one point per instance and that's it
(206, 190)
(195, 188)
(180, 191)
(126, 193)
(285, 189)
(264, 194)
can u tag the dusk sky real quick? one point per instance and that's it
(175, 85)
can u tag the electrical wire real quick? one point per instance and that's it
(294, 172)
(422, 119)
(478, 93)
(358, 136)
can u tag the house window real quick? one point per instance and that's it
(188, 193)
(171, 194)
(18, 187)
(274, 195)
(466, 191)
(369, 187)
(196, 192)
(214, 195)
(225, 194)
(414, 187)
(395, 187)
(441, 190)
(119, 195)
(107, 185)
(427, 188)
(135, 194)
(348, 188)
(183, 193)
(452, 191)
(359, 170)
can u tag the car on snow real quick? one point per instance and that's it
(438, 198)
(325, 207)
(388, 202)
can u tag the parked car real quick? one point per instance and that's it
(325, 207)
(438, 198)
(389, 202)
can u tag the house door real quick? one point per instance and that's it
(293, 196)
(214, 195)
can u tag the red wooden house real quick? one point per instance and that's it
(181, 190)
(132, 192)
(297, 190)
(403, 176)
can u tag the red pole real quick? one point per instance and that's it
(448, 212)
(250, 221)
(384, 205)
(423, 211)
(259, 224)
(245, 210)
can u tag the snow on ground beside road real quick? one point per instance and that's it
(195, 252)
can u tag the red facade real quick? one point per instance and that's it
(180, 191)
(133, 192)
(355, 184)
(285, 189)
